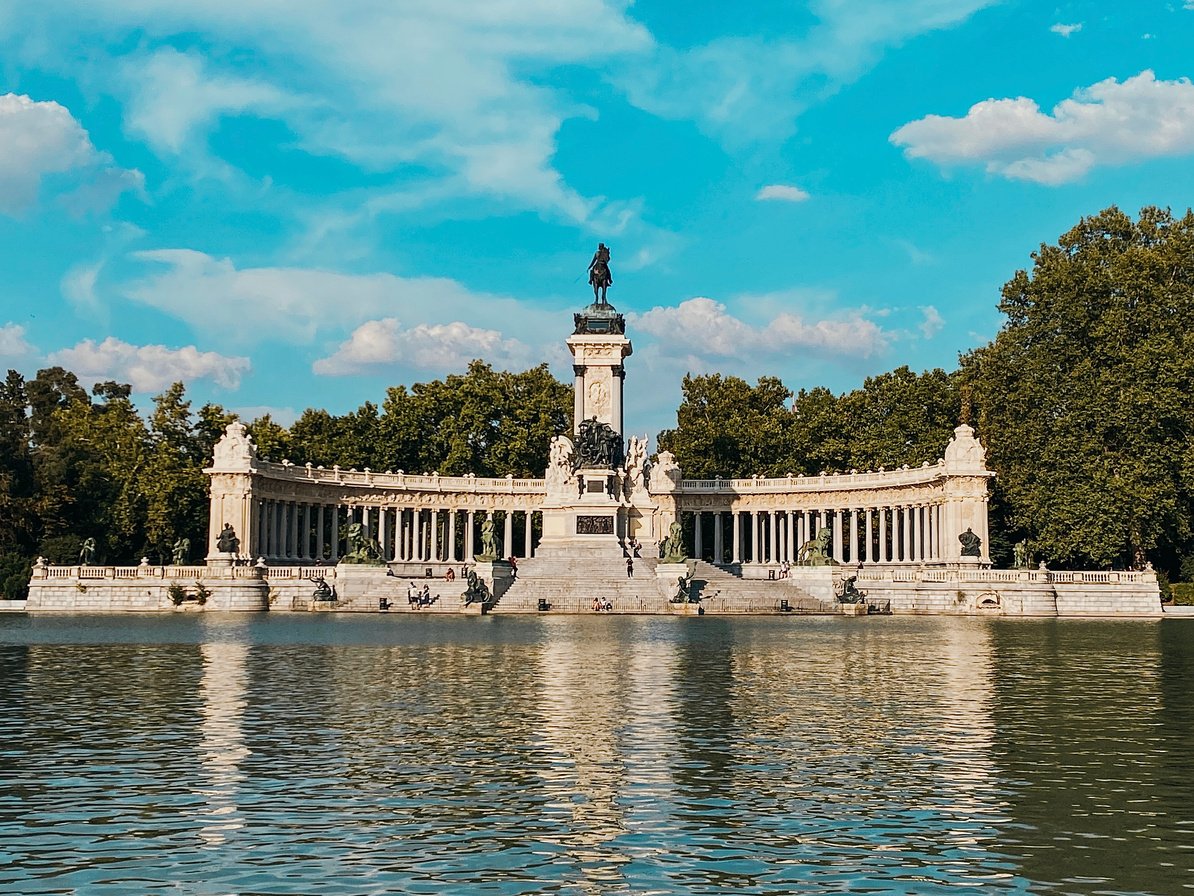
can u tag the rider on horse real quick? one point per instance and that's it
(599, 275)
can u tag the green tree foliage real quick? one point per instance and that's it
(729, 428)
(1083, 397)
(487, 422)
(174, 486)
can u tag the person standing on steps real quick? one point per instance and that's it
(630, 567)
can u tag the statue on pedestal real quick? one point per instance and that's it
(489, 549)
(971, 544)
(227, 542)
(599, 275)
(671, 549)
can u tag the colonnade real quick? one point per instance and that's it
(298, 531)
(905, 533)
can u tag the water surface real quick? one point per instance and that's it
(309, 753)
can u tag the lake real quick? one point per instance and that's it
(350, 754)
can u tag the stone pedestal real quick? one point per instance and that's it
(221, 559)
(497, 574)
(668, 577)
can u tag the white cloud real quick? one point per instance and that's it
(702, 324)
(448, 86)
(14, 348)
(1066, 30)
(294, 304)
(932, 321)
(751, 89)
(1108, 123)
(148, 367)
(782, 192)
(78, 285)
(38, 139)
(383, 343)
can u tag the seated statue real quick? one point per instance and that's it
(323, 591)
(971, 544)
(228, 543)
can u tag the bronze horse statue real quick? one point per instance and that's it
(599, 275)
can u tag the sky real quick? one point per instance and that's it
(299, 204)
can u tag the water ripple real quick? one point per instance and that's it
(289, 755)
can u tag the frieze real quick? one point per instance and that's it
(594, 525)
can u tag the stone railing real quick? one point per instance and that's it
(895, 478)
(400, 480)
(146, 571)
(1005, 576)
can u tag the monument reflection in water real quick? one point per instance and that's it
(286, 755)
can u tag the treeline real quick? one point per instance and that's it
(75, 465)
(1082, 401)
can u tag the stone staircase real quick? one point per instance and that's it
(569, 584)
(723, 592)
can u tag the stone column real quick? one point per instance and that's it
(508, 535)
(906, 531)
(869, 552)
(469, 549)
(718, 538)
(334, 535)
(837, 536)
(773, 534)
(527, 535)
(578, 396)
(753, 549)
(433, 534)
(736, 536)
(696, 534)
(854, 534)
(319, 525)
(918, 535)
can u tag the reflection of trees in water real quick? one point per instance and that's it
(1088, 749)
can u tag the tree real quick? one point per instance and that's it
(1083, 396)
(487, 422)
(726, 427)
(176, 492)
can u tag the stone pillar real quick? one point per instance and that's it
(837, 536)
(854, 554)
(753, 549)
(719, 555)
(696, 534)
(772, 535)
(736, 536)
(906, 532)
(528, 534)
(433, 534)
(869, 551)
(319, 525)
(334, 534)
(578, 396)
(508, 535)
(918, 535)
(469, 536)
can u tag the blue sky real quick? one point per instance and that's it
(294, 204)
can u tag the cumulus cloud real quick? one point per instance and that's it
(38, 139)
(14, 348)
(1066, 30)
(384, 343)
(1108, 123)
(148, 367)
(705, 324)
(784, 192)
(294, 304)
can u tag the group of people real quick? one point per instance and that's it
(600, 605)
(418, 597)
(785, 569)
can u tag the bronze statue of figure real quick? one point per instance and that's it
(599, 275)
(227, 542)
(971, 544)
